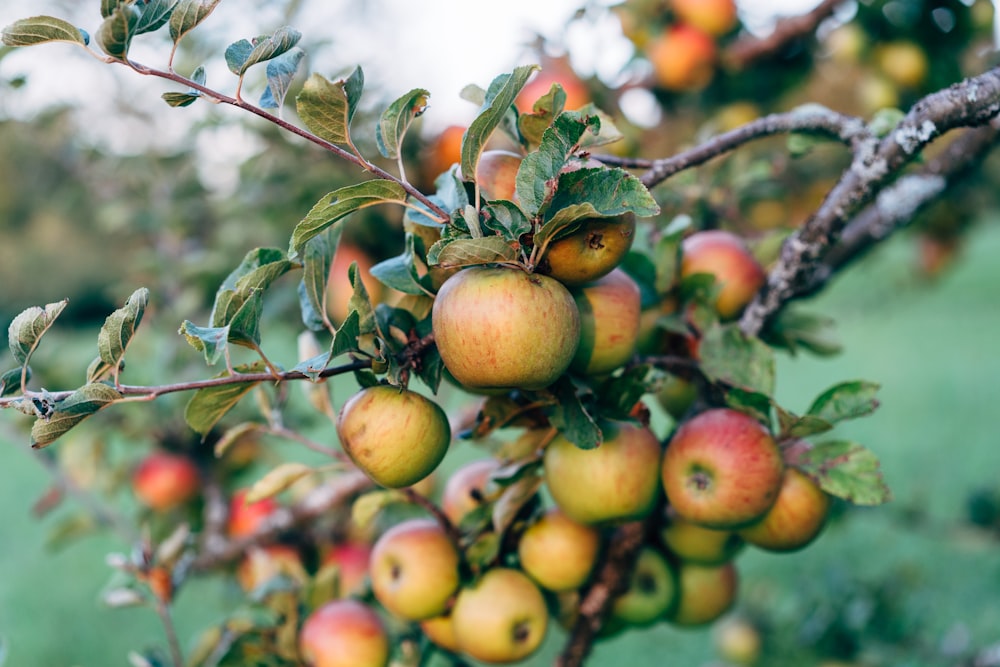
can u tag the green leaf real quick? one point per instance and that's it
(212, 341)
(729, 356)
(499, 98)
(847, 400)
(244, 326)
(619, 393)
(532, 125)
(244, 54)
(277, 480)
(792, 426)
(280, 73)
(116, 33)
(472, 252)
(846, 470)
(667, 254)
(28, 328)
(593, 193)
(41, 29)
(753, 403)
(187, 15)
(607, 132)
(367, 506)
(538, 175)
(192, 94)
(505, 218)
(360, 303)
(117, 332)
(400, 273)
(514, 497)
(317, 258)
(10, 382)
(326, 108)
(793, 329)
(396, 119)
(70, 411)
(108, 7)
(208, 405)
(340, 203)
(346, 338)
(571, 417)
(155, 15)
(259, 268)
(610, 191)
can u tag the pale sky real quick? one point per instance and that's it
(440, 45)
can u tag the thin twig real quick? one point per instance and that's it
(151, 392)
(338, 491)
(808, 119)
(163, 611)
(353, 158)
(612, 580)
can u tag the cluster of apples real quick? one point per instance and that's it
(678, 38)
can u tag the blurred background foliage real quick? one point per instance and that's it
(911, 584)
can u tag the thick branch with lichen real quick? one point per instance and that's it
(876, 163)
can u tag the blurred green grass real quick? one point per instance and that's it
(932, 346)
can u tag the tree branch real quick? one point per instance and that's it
(895, 207)
(371, 168)
(318, 502)
(807, 119)
(971, 102)
(612, 580)
(750, 49)
(152, 392)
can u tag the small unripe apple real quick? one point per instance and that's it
(714, 17)
(795, 519)
(697, 544)
(651, 592)
(609, 323)
(352, 561)
(465, 489)
(414, 569)
(557, 552)
(344, 633)
(246, 518)
(683, 58)
(738, 641)
(592, 251)
(261, 564)
(441, 631)
(725, 256)
(722, 469)
(616, 481)
(706, 593)
(164, 481)
(501, 618)
(395, 436)
(496, 174)
(676, 395)
(902, 62)
(504, 328)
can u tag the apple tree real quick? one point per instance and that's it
(578, 294)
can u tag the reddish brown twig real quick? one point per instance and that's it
(612, 580)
